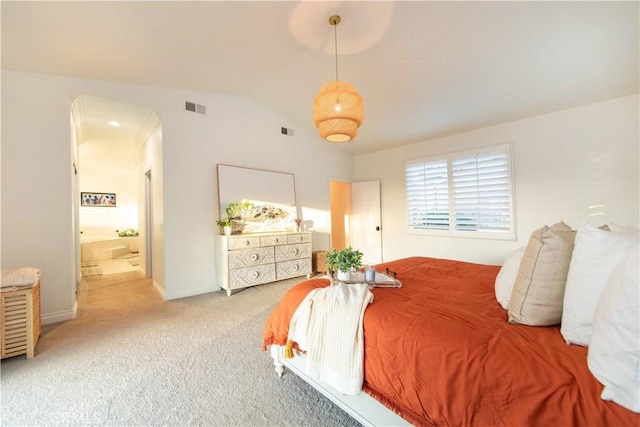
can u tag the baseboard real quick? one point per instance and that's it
(59, 316)
(189, 293)
(159, 290)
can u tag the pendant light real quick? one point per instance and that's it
(338, 110)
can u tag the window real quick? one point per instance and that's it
(462, 194)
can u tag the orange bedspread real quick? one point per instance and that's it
(439, 351)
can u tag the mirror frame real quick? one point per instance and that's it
(258, 186)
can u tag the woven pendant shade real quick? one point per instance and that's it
(338, 111)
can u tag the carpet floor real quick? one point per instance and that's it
(131, 359)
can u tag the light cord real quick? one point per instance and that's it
(335, 39)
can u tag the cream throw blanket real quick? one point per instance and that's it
(328, 325)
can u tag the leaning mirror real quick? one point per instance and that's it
(256, 200)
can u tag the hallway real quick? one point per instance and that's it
(117, 292)
(106, 304)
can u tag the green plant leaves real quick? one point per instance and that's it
(343, 260)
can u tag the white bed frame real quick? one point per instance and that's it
(362, 407)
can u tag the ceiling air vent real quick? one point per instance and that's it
(196, 108)
(286, 131)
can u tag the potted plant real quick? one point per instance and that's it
(132, 232)
(343, 261)
(226, 226)
(234, 214)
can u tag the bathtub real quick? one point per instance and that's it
(105, 244)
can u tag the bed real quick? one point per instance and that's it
(439, 351)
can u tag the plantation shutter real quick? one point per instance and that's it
(482, 192)
(427, 195)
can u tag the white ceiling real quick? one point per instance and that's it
(424, 69)
(110, 132)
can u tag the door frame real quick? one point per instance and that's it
(341, 214)
(148, 215)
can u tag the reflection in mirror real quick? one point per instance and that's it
(256, 200)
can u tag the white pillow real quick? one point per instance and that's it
(507, 277)
(614, 353)
(627, 228)
(596, 253)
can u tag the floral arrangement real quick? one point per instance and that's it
(236, 212)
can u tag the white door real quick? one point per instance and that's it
(365, 220)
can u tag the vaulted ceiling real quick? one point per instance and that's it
(424, 69)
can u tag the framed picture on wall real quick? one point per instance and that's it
(98, 199)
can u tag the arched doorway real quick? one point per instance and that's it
(115, 144)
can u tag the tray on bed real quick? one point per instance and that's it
(388, 279)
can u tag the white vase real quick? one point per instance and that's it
(227, 230)
(344, 275)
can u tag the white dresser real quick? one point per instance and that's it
(253, 259)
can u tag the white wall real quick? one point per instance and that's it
(563, 162)
(36, 175)
(37, 228)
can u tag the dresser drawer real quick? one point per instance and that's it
(250, 257)
(295, 268)
(249, 276)
(291, 252)
(254, 259)
(299, 238)
(243, 242)
(273, 240)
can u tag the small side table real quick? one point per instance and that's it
(20, 321)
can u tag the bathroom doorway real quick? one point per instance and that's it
(111, 139)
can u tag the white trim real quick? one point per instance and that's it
(159, 290)
(58, 316)
(362, 407)
(185, 294)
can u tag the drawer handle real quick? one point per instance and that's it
(294, 251)
(301, 238)
(277, 240)
(246, 242)
(254, 257)
(255, 275)
(295, 267)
